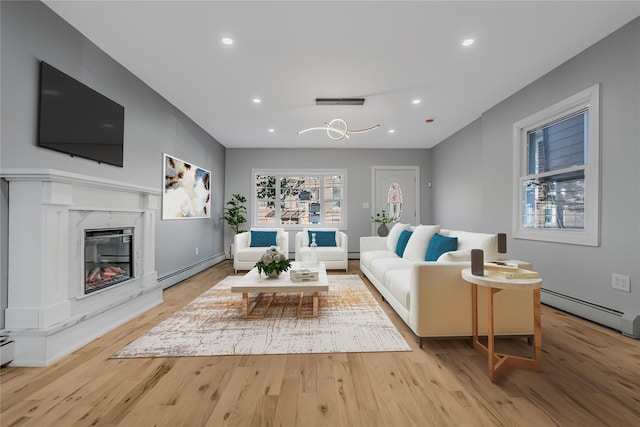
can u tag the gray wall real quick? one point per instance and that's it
(458, 193)
(475, 165)
(32, 32)
(358, 164)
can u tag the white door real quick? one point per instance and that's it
(396, 191)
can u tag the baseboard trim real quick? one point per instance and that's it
(178, 276)
(627, 324)
(630, 326)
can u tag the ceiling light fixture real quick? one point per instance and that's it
(337, 129)
(416, 102)
(257, 100)
(227, 41)
(339, 101)
(467, 42)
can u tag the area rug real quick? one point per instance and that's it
(349, 320)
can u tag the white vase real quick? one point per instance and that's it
(313, 250)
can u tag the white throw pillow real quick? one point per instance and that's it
(468, 240)
(416, 249)
(394, 233)
(455, 256)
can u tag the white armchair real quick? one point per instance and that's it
(334, 256)
(245, 255)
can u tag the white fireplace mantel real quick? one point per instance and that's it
(48, 314)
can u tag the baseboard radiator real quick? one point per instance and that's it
(178, 276)
(614, 319)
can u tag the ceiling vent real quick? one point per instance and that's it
(339, 101)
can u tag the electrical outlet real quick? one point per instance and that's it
(620, 282)
(196, 250)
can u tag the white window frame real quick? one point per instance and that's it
(590, 235)
(300, 172)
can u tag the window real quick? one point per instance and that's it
(299, 198)
(556, 172)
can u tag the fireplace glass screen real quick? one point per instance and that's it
(108, 258)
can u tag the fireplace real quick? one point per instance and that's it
(82, 258)
(108, 258)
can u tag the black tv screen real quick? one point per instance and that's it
(77, 120)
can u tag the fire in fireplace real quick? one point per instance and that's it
(108, 257)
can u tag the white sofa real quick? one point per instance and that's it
(430, 296)
(245, 256)
(334, 257)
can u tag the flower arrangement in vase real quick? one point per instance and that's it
(273, 262)
(383, 219)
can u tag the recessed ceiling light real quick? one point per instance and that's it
(391, 131)
(257, 100)
(272, 130)
(227, 41)
(416, 102)
(467, 42)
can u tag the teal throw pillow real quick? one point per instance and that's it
(440, 244)
(323, 238)
(402, 242)
(260, 239)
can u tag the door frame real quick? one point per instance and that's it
(416, 175)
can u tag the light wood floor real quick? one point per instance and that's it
(591, 377)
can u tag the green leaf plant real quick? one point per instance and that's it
(235, 211)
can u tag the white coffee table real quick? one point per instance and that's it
(255, 282)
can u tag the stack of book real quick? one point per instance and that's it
(7, 348)
(509, 270)
(4, 335)
(303, 275)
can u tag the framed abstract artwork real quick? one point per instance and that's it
(187, 190)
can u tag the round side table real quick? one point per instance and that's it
(498, 362)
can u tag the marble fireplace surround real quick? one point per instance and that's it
(48, 314)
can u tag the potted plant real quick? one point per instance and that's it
(235, 211)
(383, 219)
(273, 262)
(234, 214)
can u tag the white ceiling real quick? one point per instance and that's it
(288, 53)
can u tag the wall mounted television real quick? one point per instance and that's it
(76, 120)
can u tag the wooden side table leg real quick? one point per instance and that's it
(474, 315)
(490, 338)
(537, 329)
(497, 362)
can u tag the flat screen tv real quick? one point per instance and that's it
(77, 120)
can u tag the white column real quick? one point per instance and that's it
(38, 229)
(150, 274)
